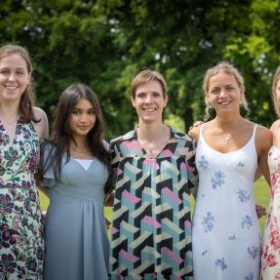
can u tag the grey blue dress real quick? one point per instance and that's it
(77, 246)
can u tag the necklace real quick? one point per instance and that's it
(229, 137)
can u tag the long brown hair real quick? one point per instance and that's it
(61, 136)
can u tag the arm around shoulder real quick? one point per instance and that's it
(41, 127)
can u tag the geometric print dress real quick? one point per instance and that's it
(226, 233)
(271, 244)
(151, 225)
(21, 229)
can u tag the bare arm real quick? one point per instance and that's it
(263, 145)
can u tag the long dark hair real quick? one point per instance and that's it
(61, 136)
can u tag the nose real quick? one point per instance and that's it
(12, 77)
(148, 98)
(82, 118)
(223, 92)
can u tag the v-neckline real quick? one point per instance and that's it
(9, 140)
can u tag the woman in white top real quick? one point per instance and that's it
(226, 235)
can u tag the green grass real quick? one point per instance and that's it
(261, 197)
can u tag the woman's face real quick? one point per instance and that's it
(14, 77)
(224, 93)
(149, 102)
(82, 119)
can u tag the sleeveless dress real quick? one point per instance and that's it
(21, 227)
(226, 234)
(77, 244)
(151, 228)
(271, 244)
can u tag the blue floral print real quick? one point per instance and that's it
(218, 179)
(246, 222)
(221, 263)
(243, 195)
(208, 222)
(249, 277)
(203, 163)
(253, 252)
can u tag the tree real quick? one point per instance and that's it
(105, 43)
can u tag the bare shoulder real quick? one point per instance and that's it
(194, 132)
(42, 127)
(275, 126)
(264, 137)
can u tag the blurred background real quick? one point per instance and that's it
(104, 43)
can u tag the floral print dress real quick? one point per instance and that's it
(226, 233)
(21, 229)
(271, 245)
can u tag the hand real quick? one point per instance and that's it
(196, 124)
(261, 211)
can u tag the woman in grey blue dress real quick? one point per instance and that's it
(76, 175)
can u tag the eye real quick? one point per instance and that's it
(156, 94)
(214, 91)
(4, 72)
(91, 112)
(75, 112)
(141, 95)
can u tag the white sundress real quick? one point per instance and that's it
(226, 234)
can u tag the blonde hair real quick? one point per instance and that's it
(274, 97)
(145, 76)
(229, 69)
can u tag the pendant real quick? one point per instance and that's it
(227, 139)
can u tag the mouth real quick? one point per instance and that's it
(149, 110)
(9, 87)
(225, 103)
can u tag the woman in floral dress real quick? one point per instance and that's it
(226, 234)
(21, 127)
(271, 246)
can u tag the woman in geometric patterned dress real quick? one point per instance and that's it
(21, 127)
(226, 234)
(270, 269)
(155, 172)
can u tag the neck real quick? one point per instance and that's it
(151, 132)
(229, 123)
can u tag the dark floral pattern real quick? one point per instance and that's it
(21, 227)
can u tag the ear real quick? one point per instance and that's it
(166, 101)
(132, 100)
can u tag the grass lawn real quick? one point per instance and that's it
(261, 197)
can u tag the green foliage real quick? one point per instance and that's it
(105, 43)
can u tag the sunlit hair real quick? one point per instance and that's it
(28, 97)
(62, 136)
(146, 76)
(274, 97)
(228, 69)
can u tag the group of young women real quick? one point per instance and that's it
(148, 174)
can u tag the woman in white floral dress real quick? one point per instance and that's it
(271, 245)
(226, 234)
(21, 127)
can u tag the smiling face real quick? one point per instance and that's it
(14, 77)
(149, 102)
(224, 93)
